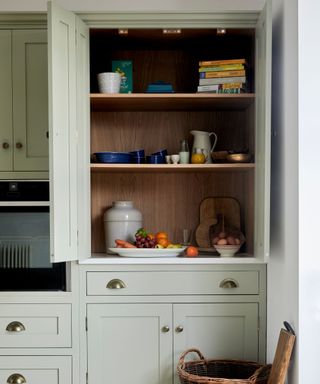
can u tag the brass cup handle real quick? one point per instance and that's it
(179, 329)
(229, 283)
(116, 284)
(165, 329)
(5, 145)
(15, 326)
(19, 145)
(16, 378)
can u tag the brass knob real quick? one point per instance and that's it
(165, 329)
(229, 283)
(179, 328)
(19, 145)
(15, 326)
(5, 145)
(116, 284)
(16, 378)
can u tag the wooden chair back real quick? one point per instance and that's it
(282, 356)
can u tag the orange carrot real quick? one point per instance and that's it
(124, 244)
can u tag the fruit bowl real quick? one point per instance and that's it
(227, 250)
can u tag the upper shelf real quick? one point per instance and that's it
(168, 168)
(170, 101)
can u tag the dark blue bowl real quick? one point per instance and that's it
(162, 152)
(155, 159)
(138, 160)
(113, 157)
(139, 153)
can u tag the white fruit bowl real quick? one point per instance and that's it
(227, 250)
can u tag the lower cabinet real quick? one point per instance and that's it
(141, 318)
(141, 343)
(35, 370)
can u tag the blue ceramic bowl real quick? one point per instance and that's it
(155, 159)
(162, 152)
(139, 153)
(138, 160)
(114, 157)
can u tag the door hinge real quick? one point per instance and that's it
(86, 323)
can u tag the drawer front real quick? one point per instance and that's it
(35, 325)
(173, 283)
(35, 369)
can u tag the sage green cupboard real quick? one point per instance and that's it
(24, 102)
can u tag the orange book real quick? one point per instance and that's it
(214, 74)
(221, 62)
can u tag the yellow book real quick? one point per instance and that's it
(213, 74)
(221, 62)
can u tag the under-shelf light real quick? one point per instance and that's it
(221, 31)
(171, 31)
(122, 31)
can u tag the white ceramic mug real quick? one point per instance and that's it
(109, 82)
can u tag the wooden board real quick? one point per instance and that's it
(209, 208)
(282, 357)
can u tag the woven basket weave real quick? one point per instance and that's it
(215, 371)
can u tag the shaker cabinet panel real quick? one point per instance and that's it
(24, 101)
(30, 100)
(5, 101)
(129, 343)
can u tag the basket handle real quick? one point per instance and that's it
(260, 371)
(181, 360)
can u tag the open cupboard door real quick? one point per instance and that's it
(64, 132)
(263, 132)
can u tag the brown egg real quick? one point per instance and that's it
(222, 242)
(231, 240)
(237, 241)
(222, 235)
(215, 240)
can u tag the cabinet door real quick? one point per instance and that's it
(30, 100)
(5, 102)
(35, 369)
(263, 132)
(63, 133)
(221, 330)
(128, 344)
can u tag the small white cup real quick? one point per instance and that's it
(109, 82)
(175, 159)
(168, 159)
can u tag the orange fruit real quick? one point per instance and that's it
(161, 235)
(192, 251)
(151, 236)
(163, 241)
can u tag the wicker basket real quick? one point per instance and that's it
(221, 371)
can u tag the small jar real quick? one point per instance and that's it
(121, 222)
(198, 157)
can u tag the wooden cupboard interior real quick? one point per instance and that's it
(169, 196)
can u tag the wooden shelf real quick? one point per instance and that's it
(170, 101)
(170, 168)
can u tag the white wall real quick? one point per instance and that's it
(309, 190)
(283, 274)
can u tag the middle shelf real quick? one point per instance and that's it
(169, 168)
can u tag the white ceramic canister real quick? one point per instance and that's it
(121, 221)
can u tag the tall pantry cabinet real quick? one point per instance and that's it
(167, 305)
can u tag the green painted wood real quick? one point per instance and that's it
(6, 159)
(30, 100)
(263, 133)
(63, 133)
(83, 128)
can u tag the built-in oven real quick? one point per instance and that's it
(25, 239)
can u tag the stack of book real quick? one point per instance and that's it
(222, 76)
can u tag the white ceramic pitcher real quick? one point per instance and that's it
(202, 140)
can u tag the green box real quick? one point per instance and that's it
(124, 67)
